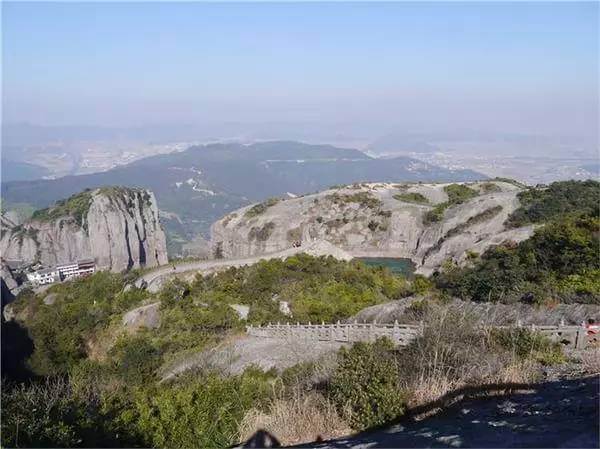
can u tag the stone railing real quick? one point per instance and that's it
(399, 334)
(575, 336)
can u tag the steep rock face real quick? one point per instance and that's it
(118, 227)
(376, 220)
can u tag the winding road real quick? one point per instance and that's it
(154, 279)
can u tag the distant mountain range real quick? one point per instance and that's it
(196, 187)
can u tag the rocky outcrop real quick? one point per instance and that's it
(484, 313)
(7, 276)
(147, 316)
(117, 227)
(376, 220)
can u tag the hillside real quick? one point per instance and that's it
(198, 186)
(118, 227)
(427, 223)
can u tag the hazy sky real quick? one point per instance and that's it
(520, 67)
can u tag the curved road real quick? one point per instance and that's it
(153, 279)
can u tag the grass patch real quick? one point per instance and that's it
(364, 199)
(411, 197)
(457, 194)
(261, 208)
(76, 206)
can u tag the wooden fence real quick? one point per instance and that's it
(399, 334)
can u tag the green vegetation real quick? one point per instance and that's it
(366, 384)
(364, 199)
(475, 219)
(84, 309)
(436, 214)
(260, 208)
(560, 261)
(457, 194)
(110, 395)
(490, 187)
(412, 197)
(76, 206)
(104, 389)
(566, 197)
(527, 344)
(263, 233)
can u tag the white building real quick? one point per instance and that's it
(65, 271)
(72, 270)
(45, 276)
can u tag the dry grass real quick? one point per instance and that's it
(590, 360)
(300, 419)
(454, 353)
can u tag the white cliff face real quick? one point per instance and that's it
(120, 230)
(369, 220)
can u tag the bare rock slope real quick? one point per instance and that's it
(377, 220)
(118, 227)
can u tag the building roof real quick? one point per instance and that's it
(67, 264)
(86, 261)
(12, 264)
(46, 271)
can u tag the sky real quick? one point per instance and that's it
(420, 67)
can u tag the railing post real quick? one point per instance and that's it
(581, 338)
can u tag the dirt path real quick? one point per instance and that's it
(561, 413)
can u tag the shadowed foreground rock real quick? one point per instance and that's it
(554, 414)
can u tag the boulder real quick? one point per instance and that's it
(145, 316)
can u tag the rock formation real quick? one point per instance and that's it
(377, 220)
(116, 226)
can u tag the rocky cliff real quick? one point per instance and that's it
(118, 227)
(427, 223)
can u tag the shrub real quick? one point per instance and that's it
(436, 214)
(76, 206)
(529, 344)
(365, 387)
(261, 208)
(559, 199)
(364, 199)
(136, 359)
(263, 233)
(558, 261)
(490, 187)
(412, 197)
(421, 284)
(201, 412)
(459, 193)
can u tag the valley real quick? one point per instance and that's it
(197, 186)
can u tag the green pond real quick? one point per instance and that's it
(402, 266)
